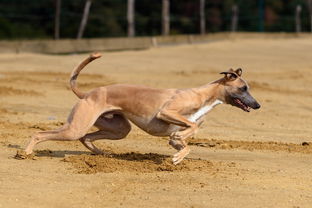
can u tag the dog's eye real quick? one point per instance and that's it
(245, 88)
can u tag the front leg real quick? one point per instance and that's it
(178, 139)
(176, 143)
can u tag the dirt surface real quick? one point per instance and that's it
(238, 159)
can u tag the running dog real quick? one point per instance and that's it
(176, 113)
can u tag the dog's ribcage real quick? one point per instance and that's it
(202, 111)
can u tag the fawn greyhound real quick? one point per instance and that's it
(176, 113)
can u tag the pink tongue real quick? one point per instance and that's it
(247, 108)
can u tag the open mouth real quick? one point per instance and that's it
(241, 105)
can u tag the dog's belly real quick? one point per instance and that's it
(161, 128)
(154, 126)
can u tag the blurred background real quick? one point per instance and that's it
(48, 19)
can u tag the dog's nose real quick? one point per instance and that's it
(257, 106)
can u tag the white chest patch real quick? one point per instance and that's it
(202, 111)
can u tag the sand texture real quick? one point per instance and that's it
(238, 159)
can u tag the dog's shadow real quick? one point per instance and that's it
(49, 153)
(58, 153)
(130, 156)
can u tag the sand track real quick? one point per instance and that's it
(238, 159)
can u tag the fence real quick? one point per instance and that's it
(114, 44)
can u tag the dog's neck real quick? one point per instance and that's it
(210, 92)
(210, 98)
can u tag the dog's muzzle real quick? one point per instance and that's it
(244, 102)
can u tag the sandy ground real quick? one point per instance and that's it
(257, 159)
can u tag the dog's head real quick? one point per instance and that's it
(235, 91)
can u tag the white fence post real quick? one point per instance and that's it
(84, 19)
(202, 16)
(130, 18)
(298, 19)
(234, 18)
(165, 17)
(57, 19)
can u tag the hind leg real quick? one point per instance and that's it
(64, 133)
(113, 126)
(82, 117)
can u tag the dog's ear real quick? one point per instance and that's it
(230, 75)
(239, 72)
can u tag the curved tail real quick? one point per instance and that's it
(76, 71)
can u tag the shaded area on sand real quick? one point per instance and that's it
(135, 162)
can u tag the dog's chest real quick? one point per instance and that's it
(204, 110)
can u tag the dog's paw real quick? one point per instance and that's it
(179, 156)
(21, 155)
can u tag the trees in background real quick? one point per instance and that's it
(20, 19)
